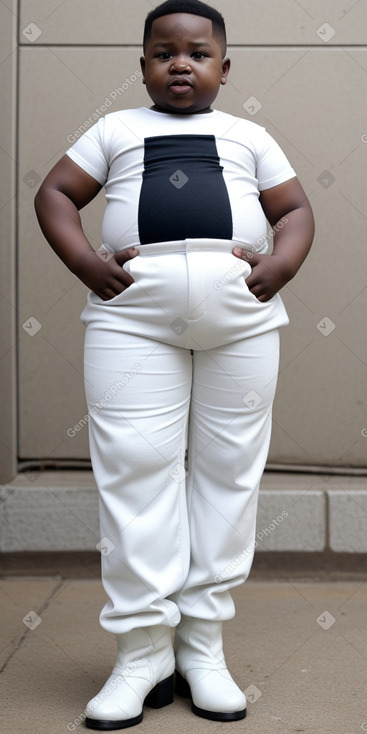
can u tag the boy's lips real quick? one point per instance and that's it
(180, 86)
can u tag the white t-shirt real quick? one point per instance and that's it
(174, 177)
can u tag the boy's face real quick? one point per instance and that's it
(183, 66)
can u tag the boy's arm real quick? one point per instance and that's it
(65, 190)
(288, 205)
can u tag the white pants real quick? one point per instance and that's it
(186, 350)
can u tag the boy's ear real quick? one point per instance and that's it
(226, 65)
(142, 66)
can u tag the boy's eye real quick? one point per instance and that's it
(164, 55)
(198, 55)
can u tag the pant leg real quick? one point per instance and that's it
(230, 427)
(138, 394)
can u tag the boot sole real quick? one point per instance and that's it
(182, 688)
(161, 695)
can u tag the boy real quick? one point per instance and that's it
(190, 321)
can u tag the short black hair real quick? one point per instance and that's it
(192, 7)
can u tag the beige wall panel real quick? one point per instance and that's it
(251, 22)
(320, 410)
(8, 70)
(312, 102)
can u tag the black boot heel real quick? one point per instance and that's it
(161, 695)
(182, 687)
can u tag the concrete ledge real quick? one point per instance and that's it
(301, 513)
(348, 519)
(49, 511)
(291, 519)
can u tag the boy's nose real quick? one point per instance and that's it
(179, 66)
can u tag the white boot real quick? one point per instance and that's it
(202, 671)
(143, 673)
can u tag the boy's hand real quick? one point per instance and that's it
(106, 278)
(269, 273)
(288, 210)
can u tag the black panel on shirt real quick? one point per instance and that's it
(183, 193)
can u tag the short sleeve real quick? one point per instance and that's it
(273, 167)
(89, 152)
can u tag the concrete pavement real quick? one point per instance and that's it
(297, 647)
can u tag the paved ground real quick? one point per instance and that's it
(297, 647)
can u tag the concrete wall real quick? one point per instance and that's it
(297, 68)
